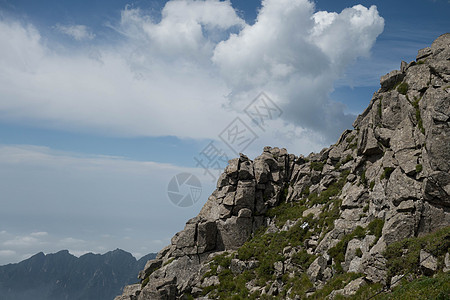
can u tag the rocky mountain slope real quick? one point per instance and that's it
(370, 212)
(64, 276)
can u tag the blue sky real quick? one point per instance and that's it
(102, 102)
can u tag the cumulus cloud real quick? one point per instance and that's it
(77, 32)
(190, 73)
(296, 55)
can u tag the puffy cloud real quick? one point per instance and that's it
(186, 29)
(117, 91)
(178, 75)
(296, 55)
(77, 32)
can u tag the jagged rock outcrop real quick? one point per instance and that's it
(338, 210)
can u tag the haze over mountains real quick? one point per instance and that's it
(370, 214)
(62, 275)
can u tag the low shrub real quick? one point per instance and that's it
(402, 88)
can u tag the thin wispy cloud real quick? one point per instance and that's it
(86, 202)
(77, 32)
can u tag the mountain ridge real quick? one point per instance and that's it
(62, 275)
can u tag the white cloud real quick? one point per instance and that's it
(7, 253)
(79, 253)
(39, 234)
(21, 241)
(77, 32)
(65, 242)
(296, 55)
(177, 76)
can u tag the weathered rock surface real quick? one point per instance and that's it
(393, 169)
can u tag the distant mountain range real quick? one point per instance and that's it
(63, 276)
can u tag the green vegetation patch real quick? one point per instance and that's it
(415, 104)
(350, 138)
(338, 252)
(387, 173)
(333, 190)
(437, 287)
(145, 281)
(404, 256)
(338, 282)
(303, 259)
(372, 185)
(419, 168)
(402, 88)
(317, 165)
(298, 285)
(363, 179)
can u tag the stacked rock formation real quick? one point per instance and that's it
(393, 167)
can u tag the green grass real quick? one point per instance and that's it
(436, 288)
(330, 212)
(348, 158)
(372, 185)
(366, 208)
(333, 190)
(286, 211)
(387, 173)
(145, 281)
(363, 179)
(317, 165)
(402, 88)
(305, 192)
(267, 248)
(169, 261)
(303, 259)
(422, 288)
(337, 282)
(419, 168)
(338, 252)
(350, 139)
(299, 284)
(403, 256)
(415, 104)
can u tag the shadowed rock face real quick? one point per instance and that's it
(394, 166)
(64, 276)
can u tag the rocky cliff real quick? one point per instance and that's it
(331, 223)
